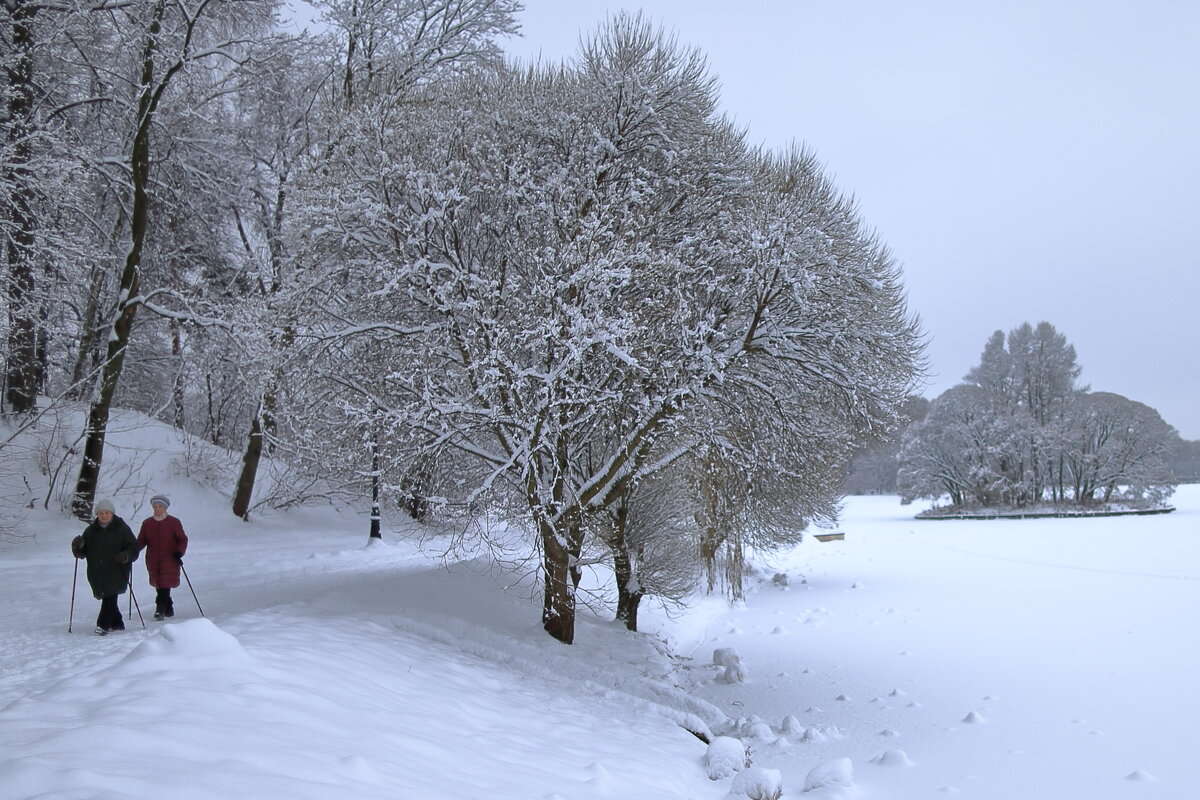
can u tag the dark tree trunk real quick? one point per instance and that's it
(177, 389)
(375, 512)
(250, 461)
(262, 425)
(629, 597)
(23, 372)
(629, 593)
(87, 357)
(558, 604)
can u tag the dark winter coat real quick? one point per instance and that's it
(162, 539)
(109, 550)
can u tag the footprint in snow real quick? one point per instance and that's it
(974, 718)
(1139, 775)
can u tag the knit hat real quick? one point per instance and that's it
(160, 499)
(106, 505)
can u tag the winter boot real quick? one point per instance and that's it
(100, 631)
(163, 606)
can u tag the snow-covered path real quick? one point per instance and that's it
(1006, 659)
(326, 668)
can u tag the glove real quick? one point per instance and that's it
(178, 556)
(77, 547)
(121, 558)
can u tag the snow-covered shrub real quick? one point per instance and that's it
(836, 773)
(728, 658)
(734, 673)
(792, 726)
(724, 656)
(757, 783)
(761, 730)
(724, 757)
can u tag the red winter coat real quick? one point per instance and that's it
(162, 539)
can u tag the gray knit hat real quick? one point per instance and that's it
(160, 499)
(106, 505)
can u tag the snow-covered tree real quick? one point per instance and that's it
(565, 265)
(156, 49)
(364, 63)
(1022, 432)
(1117, 450)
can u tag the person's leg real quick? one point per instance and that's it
(110, 614)
(118, 622)
(162, 604)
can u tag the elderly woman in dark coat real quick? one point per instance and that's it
(165, 542)
(109, 546)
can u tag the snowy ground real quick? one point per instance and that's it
(999, 659)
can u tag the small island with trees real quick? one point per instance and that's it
(1021, 438)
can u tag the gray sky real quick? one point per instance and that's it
(1026, 160)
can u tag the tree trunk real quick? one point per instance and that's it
(250, 461)
(177, 388)
(118, 342)
(86, 358)
(375, 512)
(629, 594)
(23, 372)
(558, 604)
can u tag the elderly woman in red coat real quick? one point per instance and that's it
(164, 541)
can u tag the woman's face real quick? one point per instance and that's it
(105, 517)
(159, 509)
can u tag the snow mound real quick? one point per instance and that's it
(892, 758)
(735, 671)
(724, 656)
(792, 726)
(1139, 775)
(838, 774)
(724, 757)
(757, 783)
(194, 644)
(761, 730)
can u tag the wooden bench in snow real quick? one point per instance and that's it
(836, 536)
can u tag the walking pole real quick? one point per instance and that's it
(71, 619)
(133, 599)
(189, 583)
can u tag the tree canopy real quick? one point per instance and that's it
(1021, 432)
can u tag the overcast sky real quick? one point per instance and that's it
(1026, 160)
